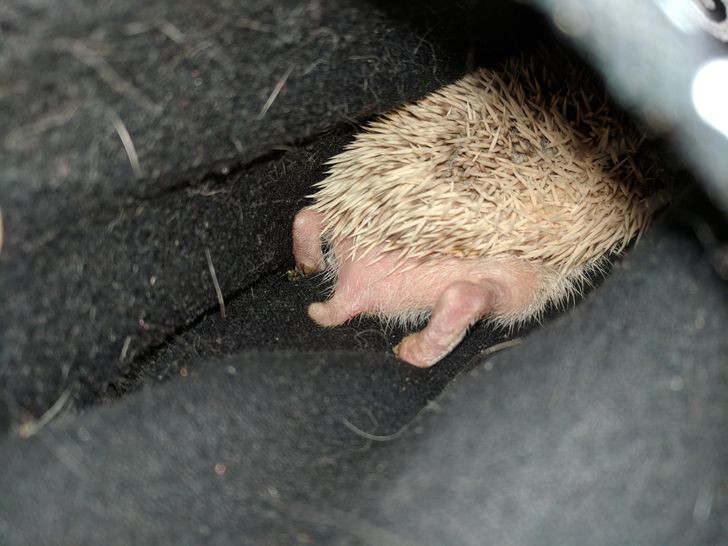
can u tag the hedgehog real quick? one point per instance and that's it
(488, 199)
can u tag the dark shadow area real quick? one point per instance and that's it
(484, 31)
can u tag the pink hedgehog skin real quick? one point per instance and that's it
(457, 292)
(489, 198)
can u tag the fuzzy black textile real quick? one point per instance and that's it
(144, 144)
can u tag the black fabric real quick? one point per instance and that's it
(164, 422)
(616, 437)
(86, 236)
